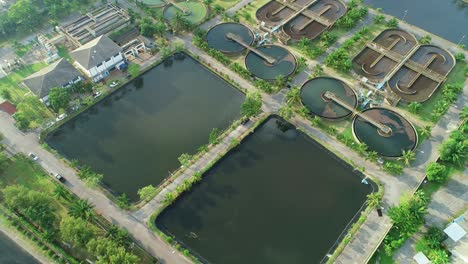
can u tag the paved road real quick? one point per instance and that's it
(16, 141)
(445, 204)
(26, 244)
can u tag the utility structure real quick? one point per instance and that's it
(383, 130)
(234, 37)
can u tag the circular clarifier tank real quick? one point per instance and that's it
(403, 135)
(217, 37)
(312, 97)
(284, 62)
(195, 11)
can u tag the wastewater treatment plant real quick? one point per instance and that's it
(229, 131)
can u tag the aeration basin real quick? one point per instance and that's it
(403, 136)
(312, 97)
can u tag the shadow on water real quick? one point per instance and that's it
(267, 201)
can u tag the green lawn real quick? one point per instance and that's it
(23, 171)
(198, 11)
(226, 4)
(28, 104)
(457, 75)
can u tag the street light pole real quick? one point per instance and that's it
(461, 40)
(404, 15)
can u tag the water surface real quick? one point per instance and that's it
(12, 253)
(445, 18)
(135, 136)
(278, 198)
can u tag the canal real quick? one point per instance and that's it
(135, 135)
(12, 253)
(447, 19)
(279, 197)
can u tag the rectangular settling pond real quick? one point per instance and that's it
(279, 197)
(135, 135)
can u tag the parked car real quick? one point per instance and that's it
(96, 94)
(60, 117)
(32, 156)
(113, 84)
(59, 178)
(245, 121)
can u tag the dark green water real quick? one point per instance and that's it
(284, 66)
(279, 197)
(135, 136)
(11, 253)
(311, 96)
(403, 136)
(441, 17)
(216, 37)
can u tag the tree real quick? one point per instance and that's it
(317, 70)
(293, 96)
(180, 23)
(61, 192)
(25, 15)
(374, 199)
(392, 23)
(393, 168)
(286, 112)
(407, 156)
(109, 252)
(252, 104)
(436, 172)
(59, 98)
(184, 159)
(439, 256)
(379, 19)
(147, 193)
(455, 149)
(425, 40)
(460, 56)
(426, 131)
(372, 156)
(464, 113)
(123, 201)
(118, 235)
(76, 230)
(214, 134)
(81, 209)
(280, 81)
(36, 206)
(134, 70)
(414, 107)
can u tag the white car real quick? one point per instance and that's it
(97, 94)
(60, 117)
(113, 84)
(32, 156)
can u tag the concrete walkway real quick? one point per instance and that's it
(19, 142)
(445, 204)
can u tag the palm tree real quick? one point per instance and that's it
(81, 209)
(372, 156)
(407, 156)
(374, 199)
(293, 96)
(60, 191)
(426, 131)
(361, 148)
(118, 235)
(464, 113)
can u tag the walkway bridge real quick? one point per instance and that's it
(234, 37)
(384, 130)
(403, 60)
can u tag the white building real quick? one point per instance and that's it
(97, 57)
